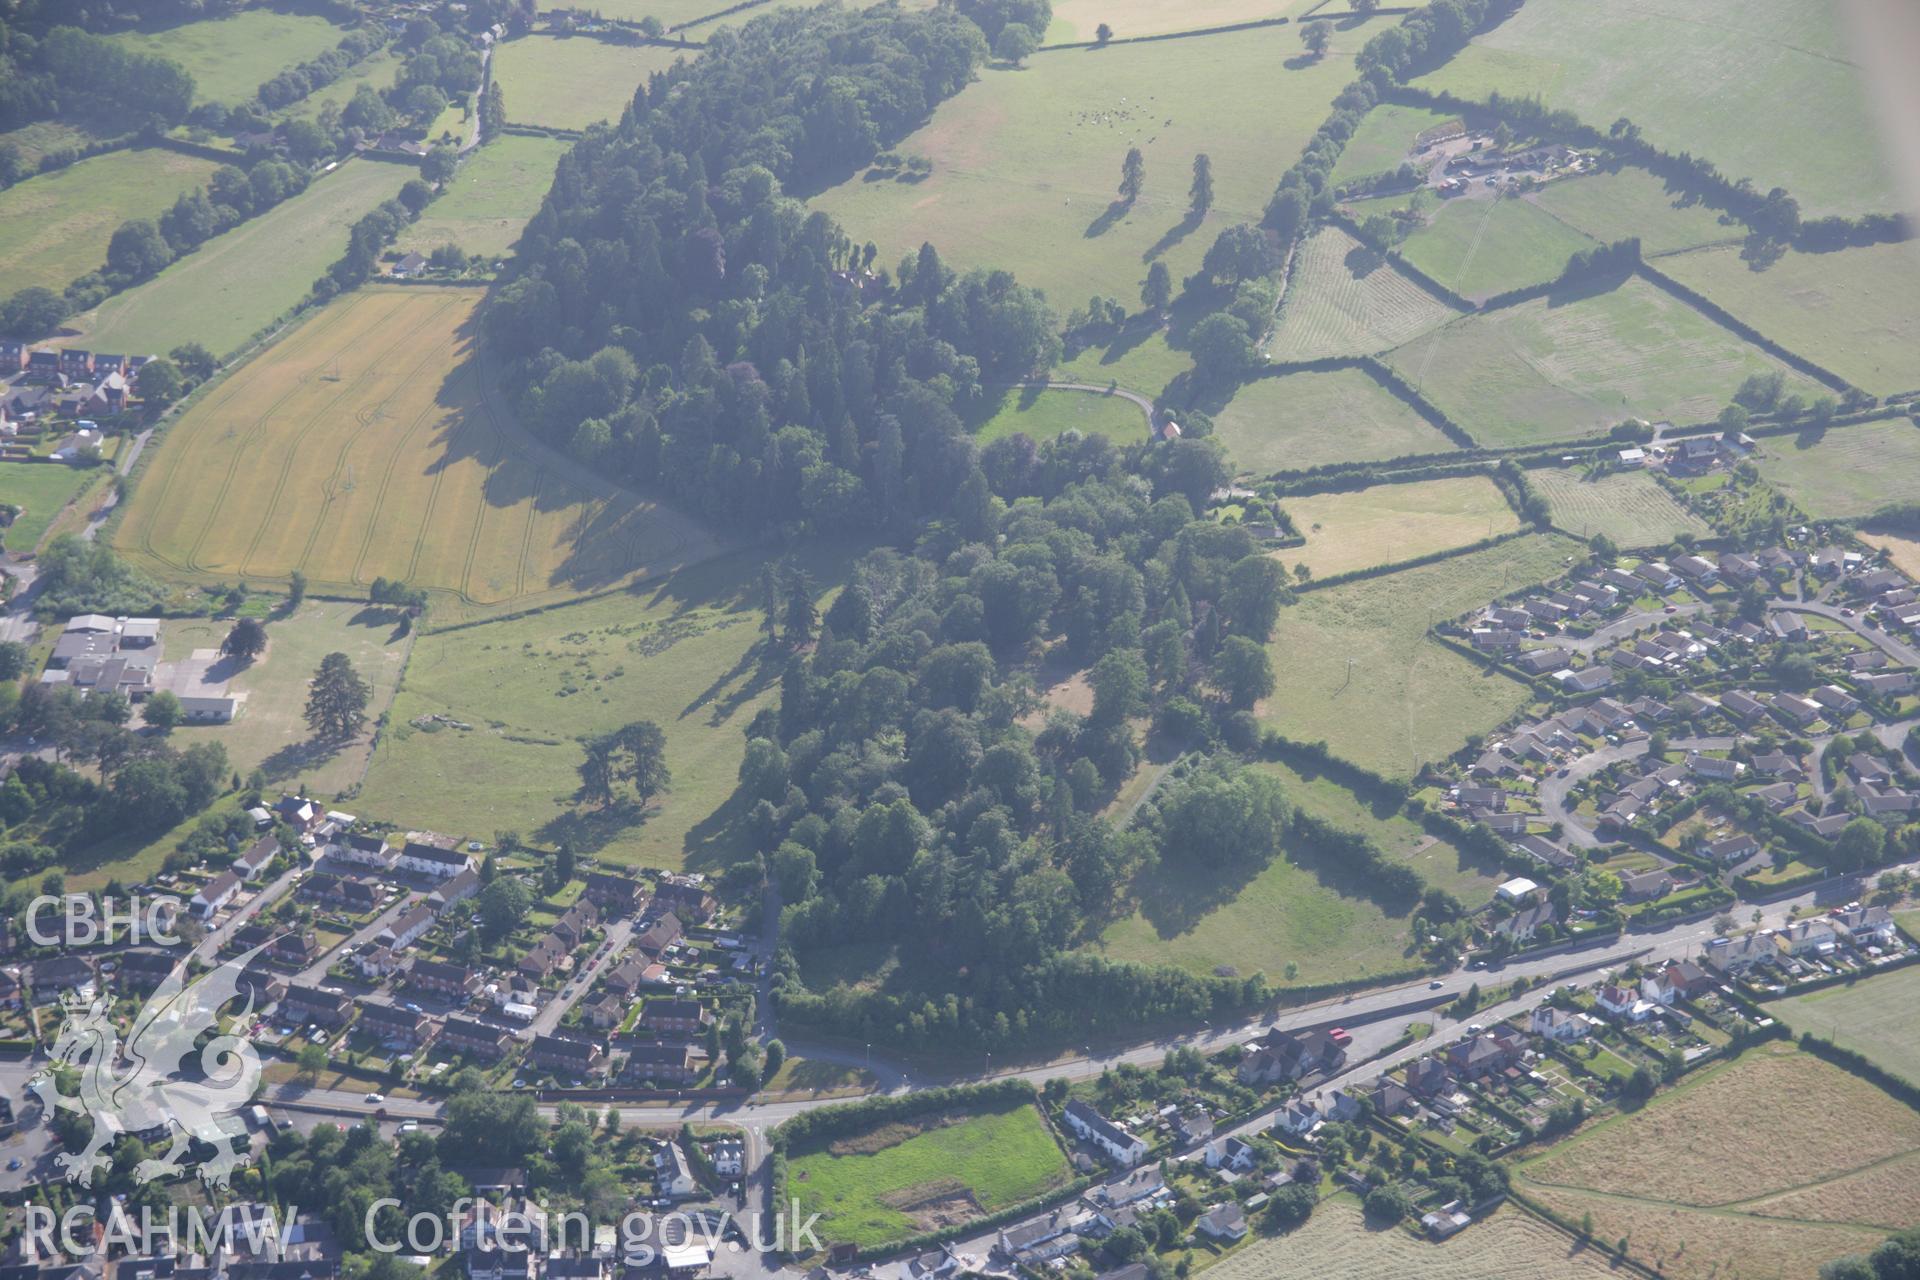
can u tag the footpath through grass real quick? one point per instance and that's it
(917, 1176)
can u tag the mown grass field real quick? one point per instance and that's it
(1200, 920)
(1343, 299)
(1847, 471)
(1620, 203)
(1042, 415)
(271, 731)
(237, 283)
(55, 227)
(1078, 20)
(1360, 528)
(1852, 311)
(1310, 419)
(572, 81)
(1628, 506)
(1766, 89)
(1571, 364)
(492, 196)
(1874, 1018)
(1719, 1178)
(1026, 161)
(1383, 140)
(1482, 247)
(368, 444)
(916, 1176)
(42, 489)
(1339, 1244)
(680, 652)
(230, 57)
(1145, 366)
(1440, 863)
(1406, 699)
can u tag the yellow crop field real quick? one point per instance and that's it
(370, 444)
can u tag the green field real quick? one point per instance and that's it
(271, 733)
(680, 652)
(1480, 247)
(1342, 299)
(1026, 161)
(1384, 139)
(377, 71)
(922, 1174)
(1853, 311)
(1042, 415)
(1628, 506)
(671, 13)
(237, 283)
(1564, 366)
(1847, 471)
(1146, 366)
(1406, 699)
(42, 488)
(1308, 419)
(1440, 863)
(35, 140)
(1620, 203)
(1078, 20)
(55, 227)
(572, 82)
(1284, 914)
(1766, 89)
(493, 195)
(1361, 528)
(1874, 1017)
(229, 58)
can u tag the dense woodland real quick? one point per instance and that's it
(675, 318)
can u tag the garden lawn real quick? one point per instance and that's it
(1765, 89)
(1310, 419)
(1852, 311)
(54, 228)
(492, 196)
(237, 283)
(1384, 140)
(1042, 415)
(42, 488)
(1405, 699)
(231, 57)
(943, 1175)
(1026, 161)
(681, 652)
(1873, 1017)
(571, 82)
(1629, 507)
(1846, 471)
(1482, 247)
(1578, 362)
(1361, 528)
(1343, 299)
(271, 733)
(1716, 1177)
(1632, 202)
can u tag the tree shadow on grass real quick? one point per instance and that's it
(1175, 234)
(1104, 223)
(300, 757)
(591, 830)
(721, 838)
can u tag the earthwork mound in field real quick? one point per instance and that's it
(1343, 299)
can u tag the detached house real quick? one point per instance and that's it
(1090, 1126)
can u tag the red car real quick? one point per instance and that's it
(1340, 1036)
